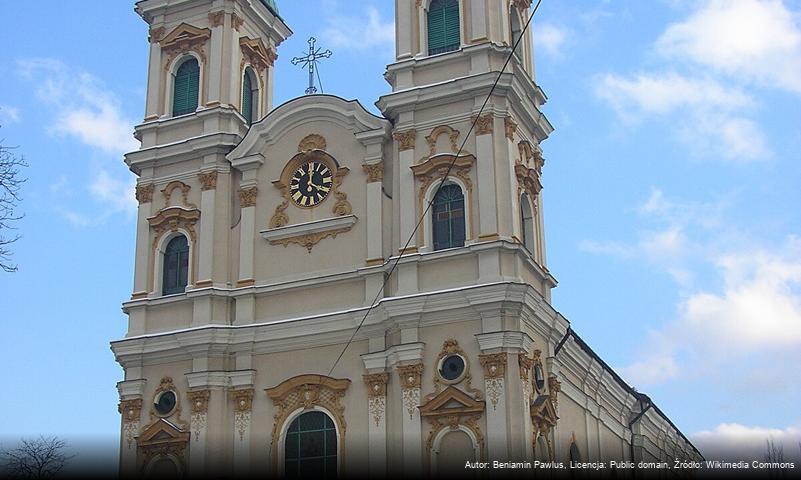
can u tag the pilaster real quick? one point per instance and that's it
(198, 424)
(487, 192)
(144, 195)
(377, 423)
(495, 387)
(243, 406)
(411, 377)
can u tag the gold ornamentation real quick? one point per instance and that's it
(494, 364)
(247, 196)
(310, 240)
(307, 391)
(183, 39)
(484, 124)
(554, 387)
(243, 399)
(144, 193)
(522, 4)
(156, 34)
(199, 401)
(525, 366)
(494, 389)
(406, 140)
(166, 385)
(342, 205)
(451, 347)
(131, 410)
(434, 169)
(510, 126)
(236, 21)
(161, 439)
(375, 172)
(167, 193)
(217, 19)
(450, 409)
(377, 395)
(243, 404)
(280, 218)
(376, 384)
(256, 54)
(171, 220)
(208, 180)
(199, 407)
(411, 376)
(312, 142)
(452, 134)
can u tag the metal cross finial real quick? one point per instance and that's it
(310, 61)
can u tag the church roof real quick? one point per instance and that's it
(270, 4)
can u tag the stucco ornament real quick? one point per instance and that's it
(131, 411)
(411, 378)
(199, 406)
(243, 404)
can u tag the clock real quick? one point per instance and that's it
(311, 184)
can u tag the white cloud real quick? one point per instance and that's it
(550, 39)
(360, 33)
(85, 110)
(758, 40)
(735, 441)
(118, 195)
(9, 114)
(709, 111)
(83, 107)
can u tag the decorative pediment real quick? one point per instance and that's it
(453, 136)
(450, 402)
(307, 392)
(256, 53)
(184, 34)
(451, 347)
(185, 38)
(174, 218)
(183, 200)
(161, 432)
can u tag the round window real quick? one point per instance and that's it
(452, 368)
(165, 402)
(539, 378)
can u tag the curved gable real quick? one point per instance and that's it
(349, 114)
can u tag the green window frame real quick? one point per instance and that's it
(443, 26)
(250, 96)
(310, 448)
(175, 274)
(186, 87)
(448, 218)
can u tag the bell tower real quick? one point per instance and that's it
(449, 53)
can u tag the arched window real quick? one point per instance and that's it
(575, 454)
(443, 26)
(176, 266)
(448, 218)
(527, 222)
(186, 87)
(517, 30)
(310, 449)
(250, 96)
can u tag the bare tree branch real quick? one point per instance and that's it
(36, 459)
(10, 184)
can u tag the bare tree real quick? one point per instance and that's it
(36, 459)
(774, 454)
(10, 184)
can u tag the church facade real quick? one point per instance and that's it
(265, 233)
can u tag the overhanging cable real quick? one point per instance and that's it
(436, 192)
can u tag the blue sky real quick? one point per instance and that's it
(671, 190)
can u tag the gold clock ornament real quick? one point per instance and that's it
(310, 184)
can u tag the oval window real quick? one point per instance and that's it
(452, 368)
(165, 402)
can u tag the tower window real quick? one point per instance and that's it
(449, 218)
(527, 222)
(443, 26)
(514, 18)
(250, 96)
(311, 447)
(176, 266)
(186, 88)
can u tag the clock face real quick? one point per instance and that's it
(310, 184)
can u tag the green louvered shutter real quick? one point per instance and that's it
(247, 99)
(443, 26)
(187, 85)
